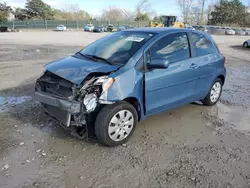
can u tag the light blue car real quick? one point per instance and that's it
(121, 79)
(89, 27)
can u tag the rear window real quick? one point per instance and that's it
(202, 45)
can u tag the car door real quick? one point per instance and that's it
(175, 85)
(207, 58)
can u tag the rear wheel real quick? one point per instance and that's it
(245, 45)
(116, 123)
(214, 93)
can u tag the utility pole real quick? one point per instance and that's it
(249, 6)
(202, 10)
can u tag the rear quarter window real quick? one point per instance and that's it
(202, 45)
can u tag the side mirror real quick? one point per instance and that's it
(158, 64)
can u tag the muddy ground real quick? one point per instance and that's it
(193, 146)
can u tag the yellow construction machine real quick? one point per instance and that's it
(155, 24)
(167, 21)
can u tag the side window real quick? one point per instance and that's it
(202, 45)
(172, 48)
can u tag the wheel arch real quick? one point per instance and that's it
(222, 77)
(136, 104)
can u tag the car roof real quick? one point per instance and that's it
(158, 29)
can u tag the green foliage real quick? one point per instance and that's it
(39, 9)
(4, 12)
(21, 14)
(229, 12)
(142, 17)
(3, 17)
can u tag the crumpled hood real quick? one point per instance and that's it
(76, 69)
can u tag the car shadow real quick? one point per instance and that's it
(197, 103)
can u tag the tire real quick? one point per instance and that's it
(108, 132)
(212, 100)
(245, 45)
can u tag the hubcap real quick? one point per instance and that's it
(215, 92)
(121, 125)
(245, 45)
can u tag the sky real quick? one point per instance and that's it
(94, 7)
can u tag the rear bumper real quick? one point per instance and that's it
(72, 107)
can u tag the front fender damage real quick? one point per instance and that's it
(73, 106)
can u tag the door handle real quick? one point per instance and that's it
(193, 66)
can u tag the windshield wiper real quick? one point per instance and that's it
(98, 58)
(83, 55)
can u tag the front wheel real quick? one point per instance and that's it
(116, 123)
(214, 93)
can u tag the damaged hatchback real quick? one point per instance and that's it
(127, 76)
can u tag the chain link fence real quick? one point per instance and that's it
(71, 24)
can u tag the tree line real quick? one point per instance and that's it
(193, 12)
(224, 12)
(37, 9)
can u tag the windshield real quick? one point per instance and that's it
(117, 48)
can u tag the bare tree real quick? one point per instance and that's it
(142, 7)
(71, 8)
(143, 10)
(71, 12)
(116, 13)
(197, 12)
(203, 5)
(185, 7)
(130, 15)
(194, 16)
(113, 13)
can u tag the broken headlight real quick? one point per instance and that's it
(105, 82)
(90, 102)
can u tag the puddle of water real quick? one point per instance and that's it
(6, 102)
(239, 117)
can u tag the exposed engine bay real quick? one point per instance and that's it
(69, 104)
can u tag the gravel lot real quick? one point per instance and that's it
(193, 146)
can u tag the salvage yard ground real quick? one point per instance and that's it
(193, 146)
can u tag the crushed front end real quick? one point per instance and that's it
(70, 104)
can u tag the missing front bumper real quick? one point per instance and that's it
(72, 107)
(59, 109)
(67, 113)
